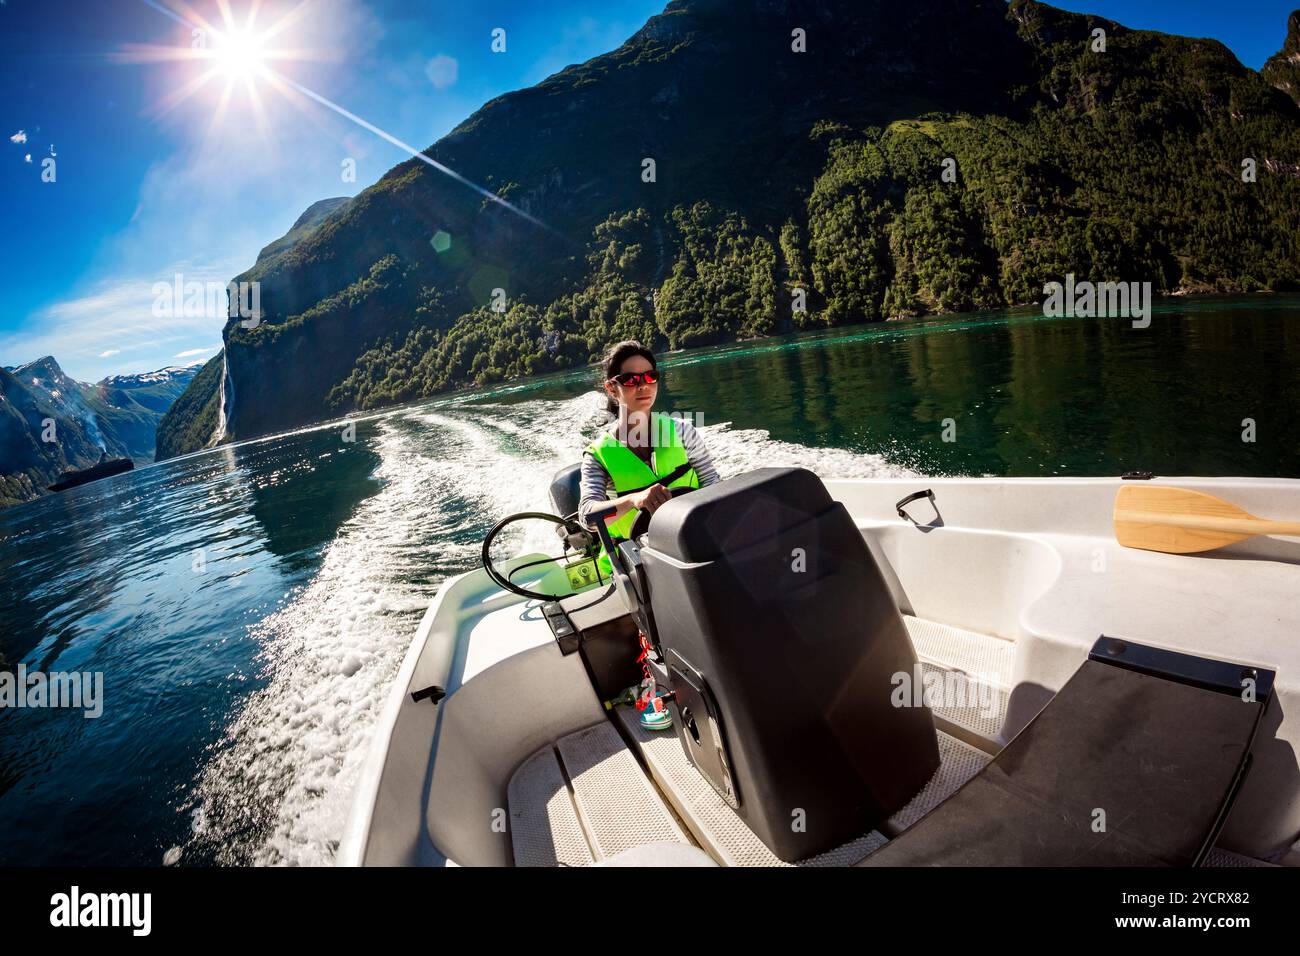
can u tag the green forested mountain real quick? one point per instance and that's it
(869, 158)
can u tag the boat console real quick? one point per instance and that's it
(781, 641)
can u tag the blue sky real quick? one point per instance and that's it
(149, 184)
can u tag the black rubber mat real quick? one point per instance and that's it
(1134, 763)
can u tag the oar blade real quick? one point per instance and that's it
(1132, 530)
(1171, 539)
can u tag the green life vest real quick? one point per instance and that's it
(629, 472)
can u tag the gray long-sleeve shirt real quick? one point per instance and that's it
(598, 487)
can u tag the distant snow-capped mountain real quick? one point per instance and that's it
(117, 416)
(172, 373)
(61, 392)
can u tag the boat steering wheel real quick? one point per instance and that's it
(578, 543)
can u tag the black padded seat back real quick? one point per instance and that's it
(780, 631)
(566, 490)
(738, 513)
(1135, 762)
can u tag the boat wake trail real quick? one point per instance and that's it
(276, 789)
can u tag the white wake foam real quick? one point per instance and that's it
(277, 789)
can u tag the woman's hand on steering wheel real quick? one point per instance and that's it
(642, 523)
(651, 498)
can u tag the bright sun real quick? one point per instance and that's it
(238, 55)
(234, 54)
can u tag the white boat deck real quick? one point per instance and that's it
(580, 801)
(1004, 591)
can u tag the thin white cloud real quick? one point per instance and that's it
(188, 352)
(442, 71)
(19, 137)
(27, 158)
(116, 316)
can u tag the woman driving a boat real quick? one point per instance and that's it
(640, 456)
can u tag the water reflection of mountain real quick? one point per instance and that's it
(1015, 393)
(305, 486)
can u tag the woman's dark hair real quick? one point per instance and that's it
(619, 353)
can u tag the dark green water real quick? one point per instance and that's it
(1027, 396)
(240, 690)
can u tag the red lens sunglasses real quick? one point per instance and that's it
(632, 379)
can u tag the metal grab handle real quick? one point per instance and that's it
(600, 510)
(914, 496)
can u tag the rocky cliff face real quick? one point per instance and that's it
(809, 134)
(1283, 68)
(317, 213)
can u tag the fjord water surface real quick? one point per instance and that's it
(248, 607)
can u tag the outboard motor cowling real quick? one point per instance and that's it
(782, 642)
(566, 489)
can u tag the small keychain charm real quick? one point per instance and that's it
(650, 703)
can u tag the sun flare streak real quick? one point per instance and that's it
(415, 153)
(241, 56)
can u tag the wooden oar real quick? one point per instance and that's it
(1179, 521)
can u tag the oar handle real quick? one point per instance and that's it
(1210, 523)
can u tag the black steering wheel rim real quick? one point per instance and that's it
(642, 523)
(503, 580)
